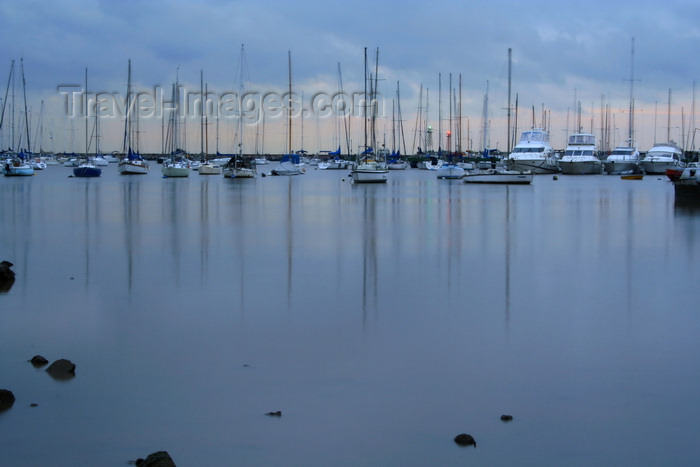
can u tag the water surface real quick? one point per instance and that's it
(381, 320)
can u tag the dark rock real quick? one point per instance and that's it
(465, 440)
(61, 369)
(38, 361)
(274, 414)
(7, 399)
(157, 459)
(33, 404)
(506, 418)
(7, 276)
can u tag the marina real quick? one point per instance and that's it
(380, 320)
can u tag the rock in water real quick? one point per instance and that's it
(7, 399)
(157, 459)
(465, 440)
(7, 276)
(38, 361)
(61, 369)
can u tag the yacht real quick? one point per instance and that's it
(534, 153)
(623, 160)
(580, 157)
(661, 157)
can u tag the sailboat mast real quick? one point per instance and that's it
(201, 114)
(289, 108)
(85, 106)
(128, 107)
(26, 114)
(365, 112)
(509, 90)
(630, 132)
(668, 121)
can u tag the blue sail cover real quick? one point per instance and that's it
(367, 151)
(335, 153)
(293, 158)
(134, 156)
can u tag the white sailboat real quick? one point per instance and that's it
(16, 163)
(496, 175)
(237, 166)
(290, 164)
(370, 167)
(132, 163)
(177, 165)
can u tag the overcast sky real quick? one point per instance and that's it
(562, 52)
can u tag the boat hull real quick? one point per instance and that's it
(132, 168)
(581, 167)
(450, 172)
(536, 166)
(369, 176)
(210, 169)
(87, 171)
(499, 178)
(659, 167)
(175, 170)
(621, 167)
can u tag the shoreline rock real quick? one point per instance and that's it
(7, 399)
(7, 276)
(62, 369)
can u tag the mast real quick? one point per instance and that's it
(630, 129)
(439, 114)
(26, 114)
(508, 110)
(289, 108)
(365, 112)
(128, 108)
(85, 98)
(668, 126)
(201, 114)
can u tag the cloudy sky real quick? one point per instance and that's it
(562, 52)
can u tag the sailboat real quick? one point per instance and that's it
(237, 166)
(289, 164)
(132, 163)
(15, 164)
(496, 175)
(86, 168)
(449, 170)
(624, 159)
(370, 167)
(177, 164)
(208, 167)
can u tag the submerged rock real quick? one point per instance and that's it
(7, 276)
(506, 418)
(157, 459)
(274, 414)
(38, 361)
(464, 439)
(7, 399)
(61, 369)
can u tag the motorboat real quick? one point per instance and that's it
(623, 160)
(661, 157)
(580, 157)
(534, 153)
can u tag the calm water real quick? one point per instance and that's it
(381, 320)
